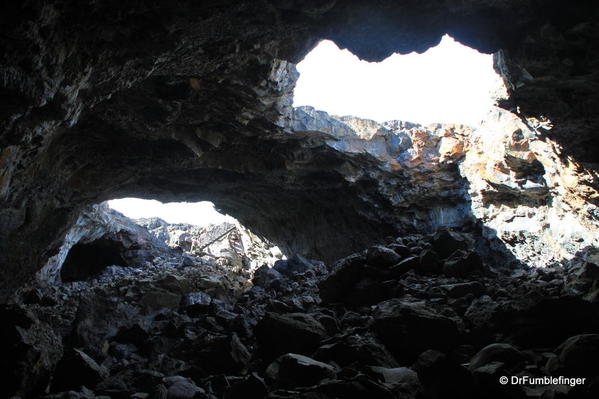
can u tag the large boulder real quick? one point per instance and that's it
(77, 369)
(409, 328)
(462, 263)
(30, 350)
(355, 349)
(267, 277)
(446, 242)
(222, 354)
(379, 256)
(577, 357)
(294, 265)
(345, 274)
(293, 370)
(497, 352)
(278, 334)
(403, 381)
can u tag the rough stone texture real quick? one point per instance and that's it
(433, 336)
(539, 205)
(189, 101)
(134, 244)
(229, 242)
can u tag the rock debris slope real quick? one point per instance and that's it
(419, 317)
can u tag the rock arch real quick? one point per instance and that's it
(192, 101)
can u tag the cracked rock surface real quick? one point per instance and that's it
(192, 101)
(391, 321)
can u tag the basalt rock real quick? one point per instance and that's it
(432, 335)
(193, 101)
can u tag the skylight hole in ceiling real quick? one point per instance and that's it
(449, 83)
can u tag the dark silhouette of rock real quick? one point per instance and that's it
(409, 328)
(293, 370)
(278, 334)
(77, 369)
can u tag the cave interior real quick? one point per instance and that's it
(419, 261)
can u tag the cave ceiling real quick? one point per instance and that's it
(192, 101)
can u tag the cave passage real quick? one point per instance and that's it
(87, 260)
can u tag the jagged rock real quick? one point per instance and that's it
(77, 369)
(222, 354)
(576, 357)
(407, 264)
(355, 349)
(69, 126)
(267, 277)
(441, 377)
(278, 334)
(458, 290)
(408, 328)
(340, 281)
(183, 388)
(428, 263)
(550, 321)
(160, 299)
(30, 351)
(293, 265)
(485, 314)
(402, 250)
(446, 242)
(402, 381)
(251, 387)
(504, 353)
(379, 256)
(369, 292)
(293, 370)
(175, 284)
(197, 303)
(134, 334)
(462, 264)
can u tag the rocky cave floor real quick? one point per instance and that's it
(421, 317)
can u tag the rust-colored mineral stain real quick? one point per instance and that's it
(194, 83)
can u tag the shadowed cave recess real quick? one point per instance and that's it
(367, 259)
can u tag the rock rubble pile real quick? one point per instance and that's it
(422, 316)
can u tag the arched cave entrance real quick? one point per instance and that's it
(87, 260)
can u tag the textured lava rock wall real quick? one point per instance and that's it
(189, 100)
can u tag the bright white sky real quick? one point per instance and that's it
(198, 213)
(450, 83)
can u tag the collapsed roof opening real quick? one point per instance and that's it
(199, 230)
(449, 83)
(87, 260)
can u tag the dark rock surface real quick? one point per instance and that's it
(197, 329)
(192, 101)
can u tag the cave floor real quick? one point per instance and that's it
(382, 323)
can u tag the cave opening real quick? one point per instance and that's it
(412, 240)
(199, 230)
(448, 83)
(87, 260)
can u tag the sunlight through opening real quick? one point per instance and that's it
(450, 83)
(196, 213)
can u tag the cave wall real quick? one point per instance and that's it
(191, 101)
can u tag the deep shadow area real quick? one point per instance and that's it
(86, 260)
